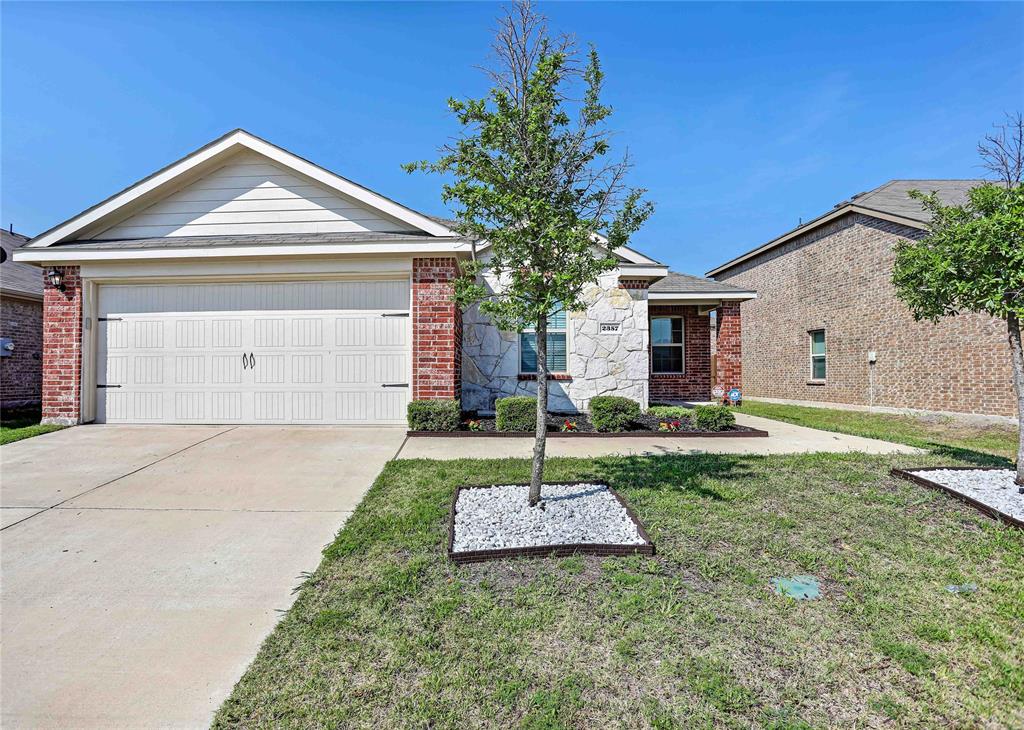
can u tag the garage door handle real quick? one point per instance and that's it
(394, 385)
(252, 361)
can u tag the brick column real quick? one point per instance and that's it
(436, 330)
(729, 348)
(62, 349)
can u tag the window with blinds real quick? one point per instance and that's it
(557, 341)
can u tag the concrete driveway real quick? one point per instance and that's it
(142, 566)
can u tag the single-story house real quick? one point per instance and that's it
(827, 327)
(244, 284)
(21, 327)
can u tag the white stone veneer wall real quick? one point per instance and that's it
(600, 364)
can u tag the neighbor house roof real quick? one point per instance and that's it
(686, 286)
(890, 201)
(18, 279)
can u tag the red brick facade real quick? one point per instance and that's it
(837, 277)
(729, 346)
(695, 382)
(21, 372)
(436, 330)
(62, 349)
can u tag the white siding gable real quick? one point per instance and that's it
(251, 194)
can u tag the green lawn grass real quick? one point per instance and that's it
(23, 424)
(387, 633)
(955, 437)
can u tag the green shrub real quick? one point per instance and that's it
(613, 413)
(434, 415)
(515, 413)
(713, 418)
(669, 412)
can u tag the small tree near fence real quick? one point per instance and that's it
(972, 259)
(532, 178)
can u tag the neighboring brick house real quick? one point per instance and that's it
(21, 327)
(244, 284)
(827, 326)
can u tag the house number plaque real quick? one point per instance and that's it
(611, 328)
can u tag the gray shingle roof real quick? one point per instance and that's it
(676, 283)
(15, 277)
(269, 239)
(891, 199)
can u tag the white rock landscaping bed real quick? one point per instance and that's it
(995, 488)
(500, 518)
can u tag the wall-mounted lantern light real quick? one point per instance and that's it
(56, 278)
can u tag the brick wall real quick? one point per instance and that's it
(729, 346)
(437, 330)
(695, 382)
(62, 349)
(837, 278)
(21, 372)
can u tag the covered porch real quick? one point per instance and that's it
(695, 337)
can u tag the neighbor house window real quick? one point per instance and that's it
(667, 344)
(557, 345)
(817, 354)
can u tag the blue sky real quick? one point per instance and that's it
(741, 118)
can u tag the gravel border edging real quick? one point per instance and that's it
(745, 432)
(544, 551)
(911, 476)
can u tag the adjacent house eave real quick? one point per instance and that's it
(811, 225)
(734, 295)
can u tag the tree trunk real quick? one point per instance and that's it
(541, 434)
(1017, 355)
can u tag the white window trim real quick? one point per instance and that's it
(681, 344)
(568, 347)
(812, 355)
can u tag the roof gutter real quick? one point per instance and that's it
(71, 254)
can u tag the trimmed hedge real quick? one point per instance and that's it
(515, 413)
(613, 413)
(434, 415)
(713, 418)
(678, 412)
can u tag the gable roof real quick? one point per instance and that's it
(887, 202)
(203, 161)
(16, 278)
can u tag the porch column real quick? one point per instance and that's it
(62, 349)
(436, 330)
(729, 350)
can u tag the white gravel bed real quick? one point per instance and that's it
(992, 487)
(500, 517)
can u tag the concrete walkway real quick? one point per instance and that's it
(783, 438)
(143, 566)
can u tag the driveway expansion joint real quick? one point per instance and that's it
(118, 478)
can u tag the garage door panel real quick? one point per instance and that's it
(226, 333)
(190, 406)
(295, 365)
(307, 332)
(190, 334)
(390, 332)
(190, 369)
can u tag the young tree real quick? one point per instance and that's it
(972, 260)
(532, 178)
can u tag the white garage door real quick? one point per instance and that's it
(290, 352)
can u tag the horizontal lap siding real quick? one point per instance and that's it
(251, 195)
